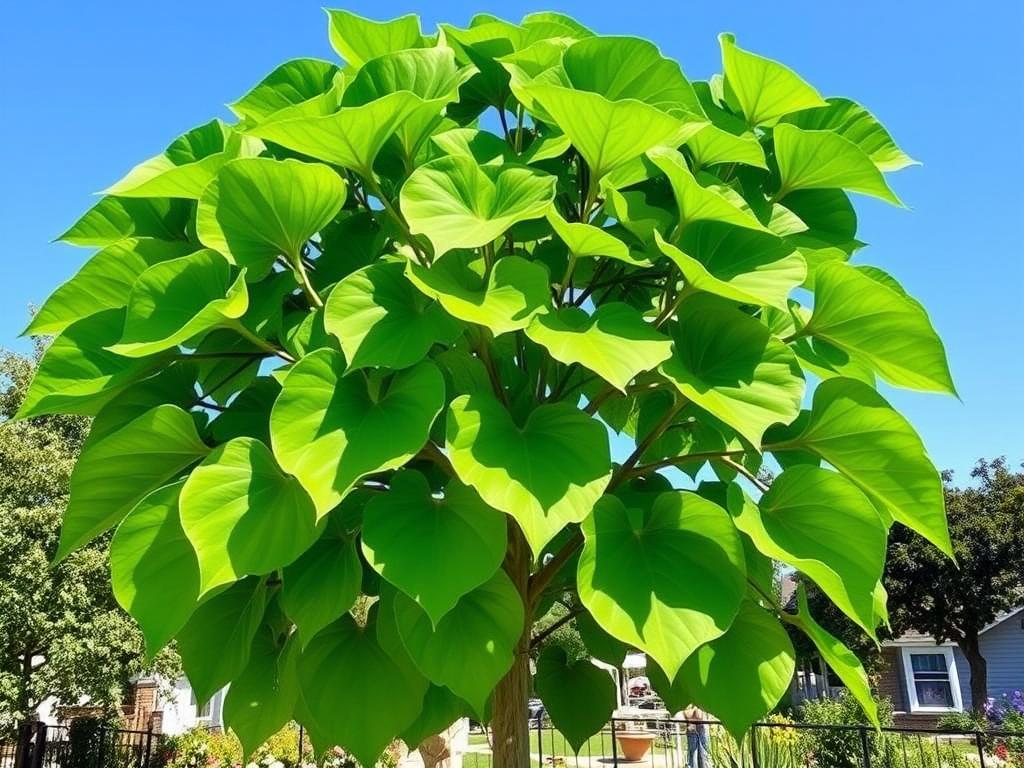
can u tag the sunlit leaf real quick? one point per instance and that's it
(357, 40)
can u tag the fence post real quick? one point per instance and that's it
(39, 751)
(149, 746)
(540, 742)
(755, 759)
(615, 746)
(865, 749)
(981, 748)
(99, 748)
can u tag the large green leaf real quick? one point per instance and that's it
(614, 341)
(765, 90)
(261, 700)
(609, 134)
(441, 708)
(503, 300)
(545, 474)
(319, 587)
(329, 430)
(630, 68)
(665, 579)
(599, 644)
(148, 554)
(730, 365)
(78, 374)
(838, 657)
(471, 647)
(850, 119)
(694, 202)
(113, 474)
(351, 137)
(243, 515)
(177, 300)
(430, 73)
(736, 263)
(587, 240)
(381, 319)
(811, 159)
(188, 164)
(294, 82)
(458, 203)
(579, 697)
(114, 218)
(258, 209)
(434, 550)
(344, 659)
(357, 40)
(879, 324)
(822, 524)
(742, 676)
(855, 430)
(103, 282)
(216, 644)
(713, 145)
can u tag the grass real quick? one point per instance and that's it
(552, 743)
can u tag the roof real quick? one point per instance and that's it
(913, 637)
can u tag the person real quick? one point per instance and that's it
(698, 754)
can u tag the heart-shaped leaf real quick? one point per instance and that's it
(744, 265)
(358, 40)
(851, 120)
(584, 240)
(113, 474)
(115, 218)
(177, 300)
(103, 282)
(614, 342)
(826, 160)
(381, 319)
(729, 364)
(765, 90)
(472, 646)
(755, 655)
(188, 164)
(665, 579)
(329, 430)
(579, 697)
(294, 82)
(261, 700)
(243, 515)
(878, 323)
(458, 203)
(713, 145)
(694, 202)
(216, 643)
(344, 658)
(822, 524)
(258, 209)
(506, 299)
(323, 584)
(434, 550)
(149, 550)
(351, 137)
(855, 430)
(545, 474)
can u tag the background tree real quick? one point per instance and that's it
(62, 634)
(371, 337)
(955, 601)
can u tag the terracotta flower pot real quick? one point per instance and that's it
(633, 746)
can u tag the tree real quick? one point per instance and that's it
(62, 635)
(357, 342)
(957, 600)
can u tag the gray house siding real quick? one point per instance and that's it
(963, 672)
(1003, 649)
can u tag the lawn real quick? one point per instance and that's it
(552, 743)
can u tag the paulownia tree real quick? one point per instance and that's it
(372, 339)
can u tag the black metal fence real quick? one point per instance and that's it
(662, 743)
(83, 744)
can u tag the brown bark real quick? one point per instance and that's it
(511, 736)
(979, 671)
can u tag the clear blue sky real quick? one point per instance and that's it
(91, 88)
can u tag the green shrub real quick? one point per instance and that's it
(839, 748)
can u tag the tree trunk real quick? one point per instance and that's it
(508, 721)
(979, 672)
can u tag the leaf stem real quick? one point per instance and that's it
(746, 473)
(374, 187)
(307, 286)
(627, 466)
(261, 343)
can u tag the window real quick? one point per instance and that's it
(932, 682)
(202, 712)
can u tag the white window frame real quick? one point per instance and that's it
(907, 651)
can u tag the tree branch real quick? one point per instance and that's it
(540, 636)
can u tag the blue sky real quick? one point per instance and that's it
(92, 88)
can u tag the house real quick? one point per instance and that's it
(925, 679)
